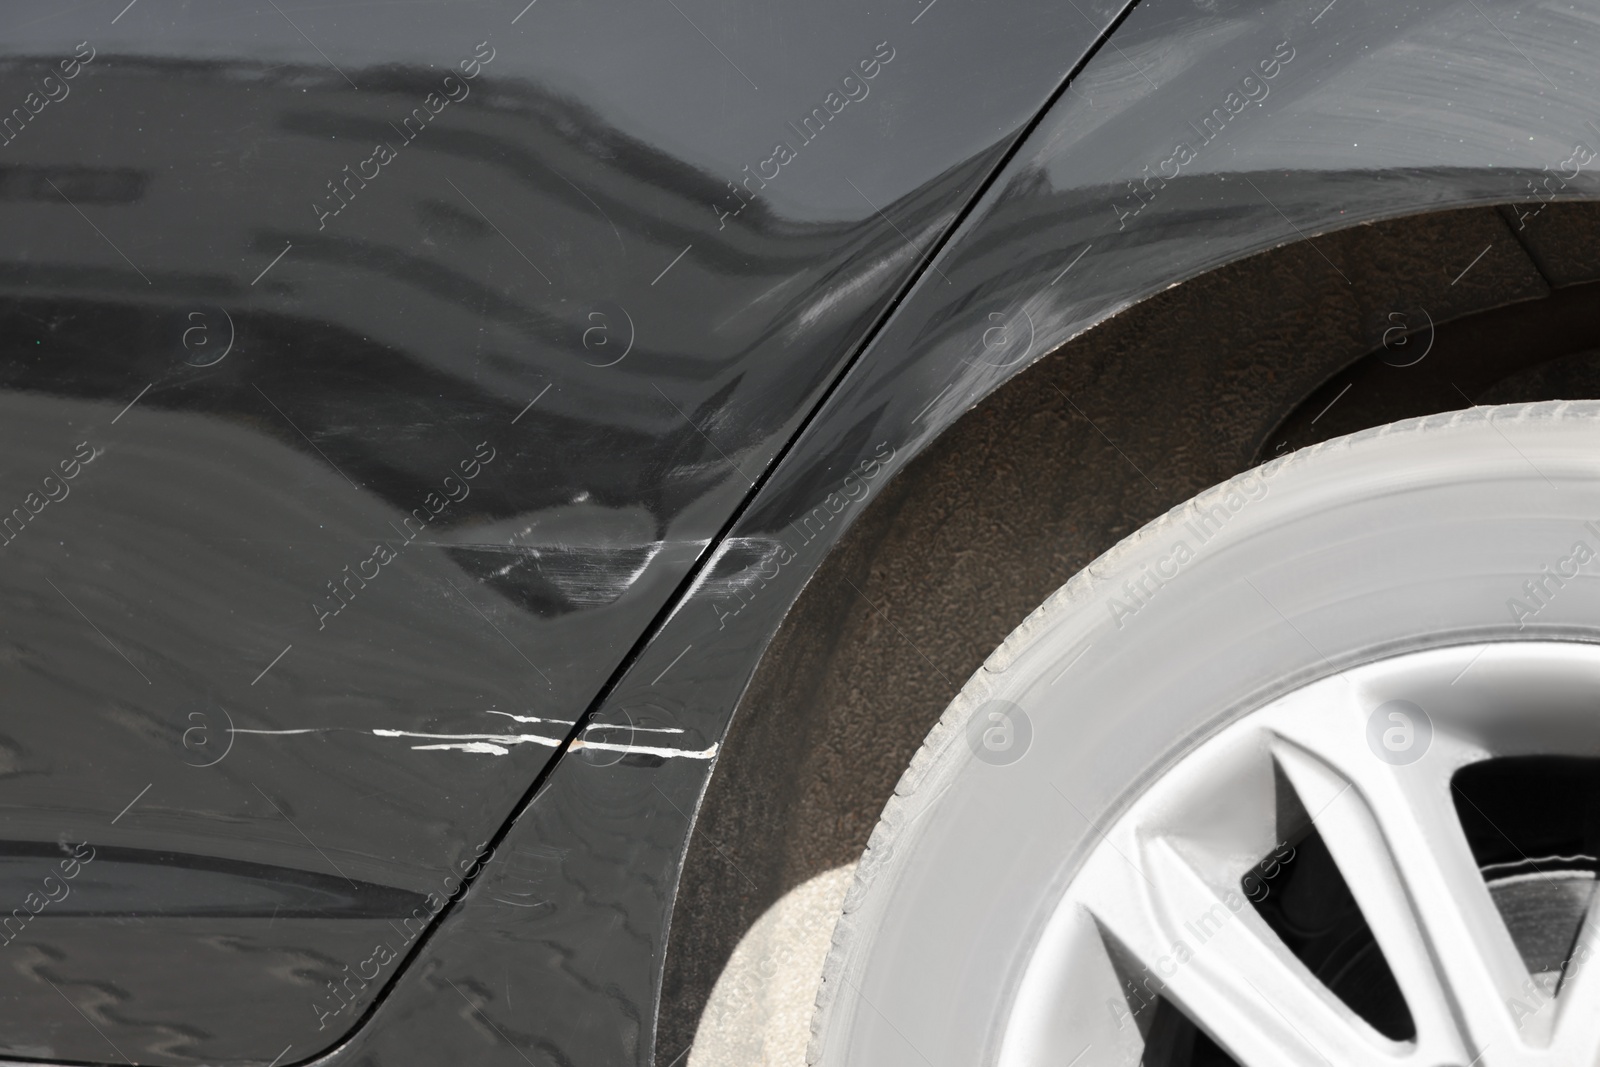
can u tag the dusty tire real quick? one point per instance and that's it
(1414, 536)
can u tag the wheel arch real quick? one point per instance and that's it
(1174, 393)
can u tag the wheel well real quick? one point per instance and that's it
(1164, 399)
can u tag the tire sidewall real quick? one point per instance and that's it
(1414, 536)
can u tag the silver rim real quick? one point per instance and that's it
(1159, 905)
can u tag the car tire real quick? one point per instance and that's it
(1453, 532)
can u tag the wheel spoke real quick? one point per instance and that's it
(1351, 833)
(1219, 961)
(1394, 832)
(1159, 910)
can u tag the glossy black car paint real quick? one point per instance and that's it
(373, 379)
(1277, 173)
(393, 337)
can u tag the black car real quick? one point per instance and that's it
(556, 534)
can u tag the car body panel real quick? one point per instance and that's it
(375, 379)
(1056, 237)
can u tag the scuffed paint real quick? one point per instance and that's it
(647, 750)
(498, 744)
(591, 726)
(530, 718)
(633, 729)
(496, 740)
(283, 733)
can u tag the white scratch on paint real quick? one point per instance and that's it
(593, 725)
(530, 718)
(498, 739)
(285, 733)
(633, 729)
(647, 750)
(501, 744)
